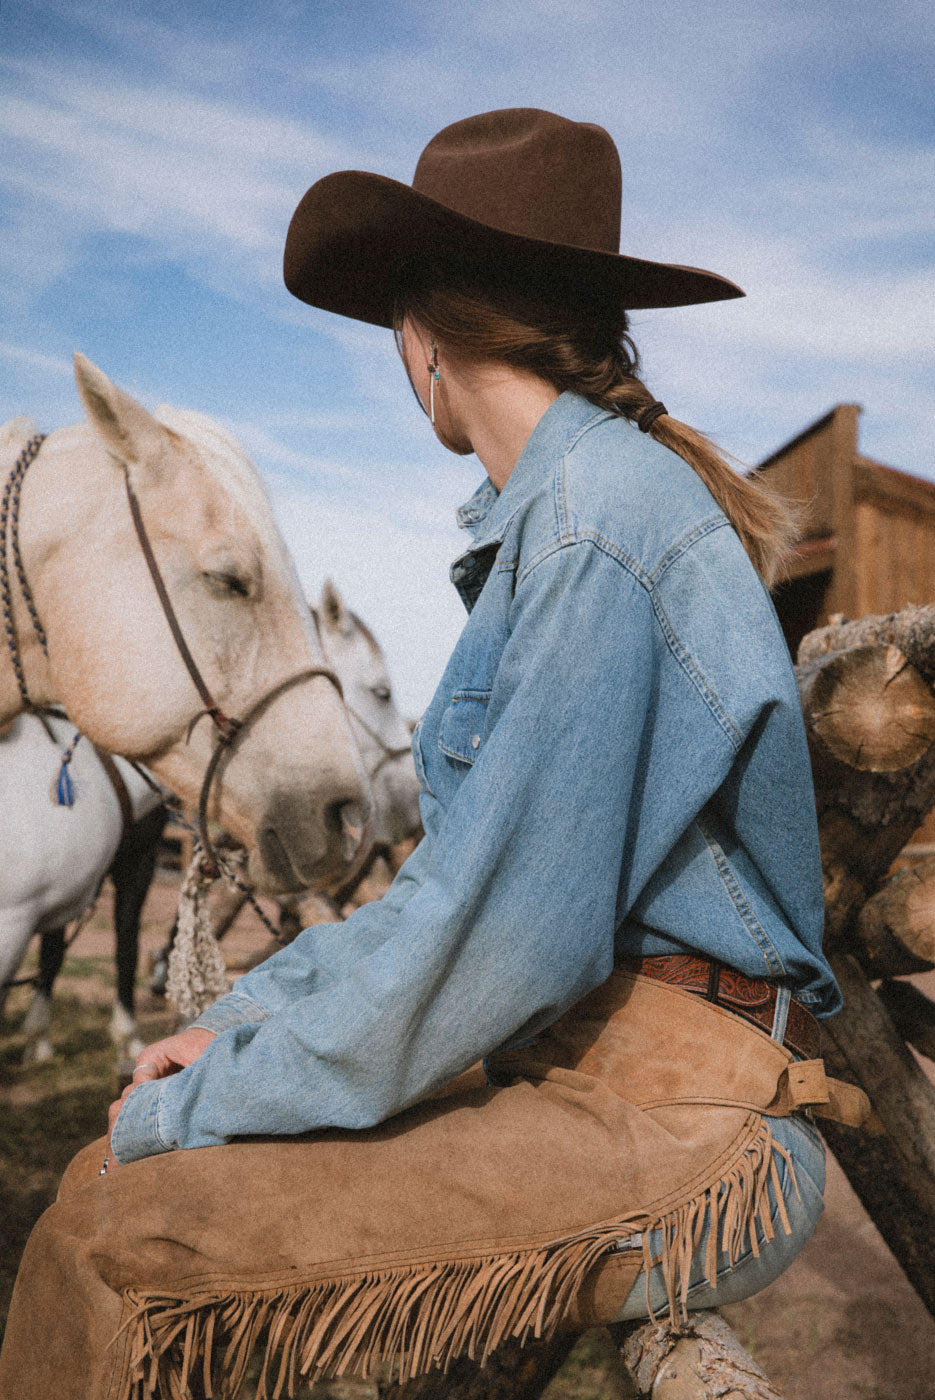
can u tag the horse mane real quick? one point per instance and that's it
(369, 638)
(199, 428)
(239, 473)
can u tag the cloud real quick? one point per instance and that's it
(392, 569)
(195, 178)
(35, 360)
(168, 151)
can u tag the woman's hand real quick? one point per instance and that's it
(158, 1061)
(165, 1057)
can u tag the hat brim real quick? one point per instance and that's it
(353, 231)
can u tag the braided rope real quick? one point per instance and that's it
(17, 554)
(9, 538)
(197, 971)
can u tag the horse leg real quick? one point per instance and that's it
(131, 874)
(38, 1048)
(160, 968)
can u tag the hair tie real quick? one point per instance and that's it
(647, 418)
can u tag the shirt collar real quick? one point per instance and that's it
(486, 514)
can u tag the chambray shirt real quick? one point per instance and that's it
(614, 763)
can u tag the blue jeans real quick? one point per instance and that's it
(750, 1273)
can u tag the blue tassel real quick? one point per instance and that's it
(64, 787)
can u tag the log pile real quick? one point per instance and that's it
(868, 697)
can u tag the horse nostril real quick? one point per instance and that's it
(347, 819)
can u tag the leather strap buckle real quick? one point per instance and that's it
(805, 1085)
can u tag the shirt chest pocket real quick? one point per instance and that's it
(463, 725)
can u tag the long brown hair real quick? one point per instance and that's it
(582, 345)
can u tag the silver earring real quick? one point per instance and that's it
(434, 377)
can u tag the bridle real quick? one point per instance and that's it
(388, 751)
(229, 730)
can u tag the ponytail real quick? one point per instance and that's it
(579, 348)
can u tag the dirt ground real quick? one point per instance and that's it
(841, 1324)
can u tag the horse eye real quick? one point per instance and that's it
(229, 583)
(382, 692)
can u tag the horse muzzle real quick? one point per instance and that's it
(304, 844)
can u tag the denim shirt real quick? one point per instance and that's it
(614, 763)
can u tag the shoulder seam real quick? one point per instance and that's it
(560, 501)
(677, 650)
(585, 537)
(697, 532)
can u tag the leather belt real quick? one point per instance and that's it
(753, 998)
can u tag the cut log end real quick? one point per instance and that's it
(904, 911)
(870, 708)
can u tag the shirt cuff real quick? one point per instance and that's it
(136, 1131)
(234, 1009)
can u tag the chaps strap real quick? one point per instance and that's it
(805, 1085)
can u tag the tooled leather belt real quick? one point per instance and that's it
(753, 998)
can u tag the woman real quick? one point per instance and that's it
(617, 904)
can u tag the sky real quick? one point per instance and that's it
(151, 157)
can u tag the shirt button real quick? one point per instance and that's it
(475, 741)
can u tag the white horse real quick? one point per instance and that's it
(53, 859)
(385, 742)
(292, 789)
(382, 734)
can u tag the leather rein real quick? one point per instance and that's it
(229, 730)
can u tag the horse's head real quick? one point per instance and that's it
(292, 790)
(382, 734)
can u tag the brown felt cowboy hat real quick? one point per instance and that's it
(520, 194)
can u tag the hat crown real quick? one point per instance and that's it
(528, 172)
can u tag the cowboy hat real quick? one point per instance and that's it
(520, 194)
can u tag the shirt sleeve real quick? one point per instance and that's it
(501, 919)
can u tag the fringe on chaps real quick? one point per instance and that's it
(426, 1315)
(487, 1211)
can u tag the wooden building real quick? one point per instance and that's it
(866, 542)
(867, 538)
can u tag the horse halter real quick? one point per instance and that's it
(387, 751)
(229, 730)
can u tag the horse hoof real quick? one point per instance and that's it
(157, 984)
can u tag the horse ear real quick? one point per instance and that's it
(334, 614)
(131, 435)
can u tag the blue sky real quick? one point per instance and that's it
(151, 156)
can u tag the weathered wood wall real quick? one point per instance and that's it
(867, 537)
